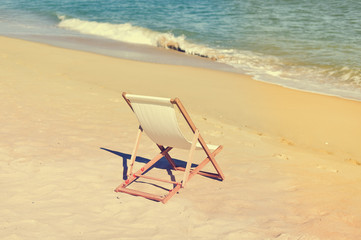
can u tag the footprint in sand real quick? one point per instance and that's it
(327, 169)
(281, 156)
(287, 142)
(353, 161)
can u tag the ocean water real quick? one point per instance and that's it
(313, 45)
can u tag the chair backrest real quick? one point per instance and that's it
(158, 119)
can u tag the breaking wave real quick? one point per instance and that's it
(268, 68)
(126, 32)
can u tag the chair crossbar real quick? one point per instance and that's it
(142, 194)
(156, 179)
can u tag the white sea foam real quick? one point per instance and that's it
(266, 68)
(126, 32)
(121, 32)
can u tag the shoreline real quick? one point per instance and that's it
(67, 136)
(171, 56)
(128, 51)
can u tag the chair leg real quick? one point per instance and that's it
(134, 153)
(211, 157)
(142, 170)
(204, 162)
(188, 119)
(171, 193)
(190, 157)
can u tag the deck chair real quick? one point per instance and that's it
(157, 118)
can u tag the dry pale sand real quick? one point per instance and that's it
(292, 160)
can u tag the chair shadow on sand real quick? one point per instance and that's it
(161, 164)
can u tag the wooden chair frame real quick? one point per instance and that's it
(165, 153)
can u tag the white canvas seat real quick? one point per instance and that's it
(157, 118)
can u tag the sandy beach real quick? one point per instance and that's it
(291, 159)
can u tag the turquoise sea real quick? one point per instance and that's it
(314, 45)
